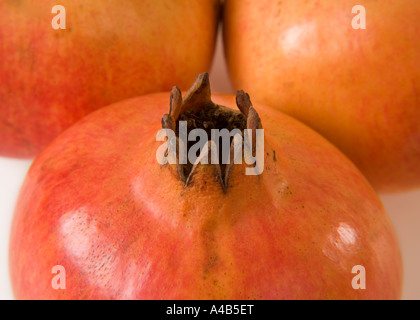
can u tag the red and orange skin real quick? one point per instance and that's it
(110, 50)
(97, 202)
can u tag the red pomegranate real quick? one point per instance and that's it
(110, 50)
(97, 203)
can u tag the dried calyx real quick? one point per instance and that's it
(200, 112)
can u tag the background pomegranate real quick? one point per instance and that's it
(359, 88)
(111, 50)
(97, 202)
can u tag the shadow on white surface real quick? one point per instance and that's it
(12, 174)
(404, 211)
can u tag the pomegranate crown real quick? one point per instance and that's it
(200, 112)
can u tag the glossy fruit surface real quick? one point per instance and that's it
(97, 202)
(109, 51)
(360, 88)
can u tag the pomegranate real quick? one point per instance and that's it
(358, 87)
(109, 51)
(97, 204)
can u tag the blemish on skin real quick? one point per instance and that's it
(287, 191)
(274, 156)
(210, 245)
(211, 263)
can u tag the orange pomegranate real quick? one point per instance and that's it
(359, 88)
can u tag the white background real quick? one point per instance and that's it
(404, 209)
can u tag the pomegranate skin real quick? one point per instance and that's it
(124, 227)
(110, 50)
(359, 88)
